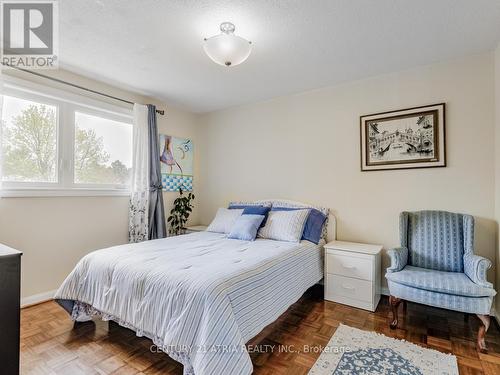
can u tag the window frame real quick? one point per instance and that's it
(67, 104)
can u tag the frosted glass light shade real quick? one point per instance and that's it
(226, 48)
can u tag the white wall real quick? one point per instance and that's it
(306, 147)
(54, 233)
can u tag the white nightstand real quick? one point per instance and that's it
(352, 274)
(196, 228)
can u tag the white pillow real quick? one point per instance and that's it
(224, 220)
(284, 225)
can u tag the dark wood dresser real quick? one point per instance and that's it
(10, 298)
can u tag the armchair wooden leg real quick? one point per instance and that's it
(485, 324)
(394, 302)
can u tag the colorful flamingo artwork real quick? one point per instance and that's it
(176, 157)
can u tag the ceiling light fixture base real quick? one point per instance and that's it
(227, 27)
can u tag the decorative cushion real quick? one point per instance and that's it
(455, 283)
(257, 210)
(314, 224)
(224, 220)
(257, 206)
(284, 225)
(245, 228)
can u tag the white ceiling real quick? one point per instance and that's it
(154, 47)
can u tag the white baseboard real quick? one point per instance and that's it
(37, 298)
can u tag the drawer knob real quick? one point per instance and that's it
(349, 267)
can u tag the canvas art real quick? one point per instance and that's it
(410, 138)
(176, 157)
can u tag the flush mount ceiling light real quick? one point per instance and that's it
(226, 48)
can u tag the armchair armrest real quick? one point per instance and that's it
(475, 268)
(399, 258)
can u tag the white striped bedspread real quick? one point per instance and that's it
(200, 297)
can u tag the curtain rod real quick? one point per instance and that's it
(159, 111)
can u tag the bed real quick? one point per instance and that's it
(199, 297)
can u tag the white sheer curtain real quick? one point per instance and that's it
(139, 195)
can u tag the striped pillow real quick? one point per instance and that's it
(282, 203)
(313, 229)
(284, 225)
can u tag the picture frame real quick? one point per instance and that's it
(176, 163)
(404, 139)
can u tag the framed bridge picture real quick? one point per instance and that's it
(404, 139)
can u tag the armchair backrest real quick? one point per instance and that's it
(437, 239)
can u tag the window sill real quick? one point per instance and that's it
(25, 193)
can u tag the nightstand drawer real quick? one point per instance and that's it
(350, 266)
(340, 286)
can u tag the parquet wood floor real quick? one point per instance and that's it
(51, 345)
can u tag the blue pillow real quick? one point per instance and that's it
(314, 223)
(245, 228)
(249, 209)
(243, 206)
(257, 210)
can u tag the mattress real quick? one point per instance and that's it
(200, 297)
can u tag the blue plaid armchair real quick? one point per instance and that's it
(436, 266)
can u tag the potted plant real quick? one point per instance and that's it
(179, 214)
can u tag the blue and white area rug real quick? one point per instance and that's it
(355, 352)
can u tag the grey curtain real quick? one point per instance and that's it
(157, 226)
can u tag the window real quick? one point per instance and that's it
(57, 143)
(102, 150)
(29, 141)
